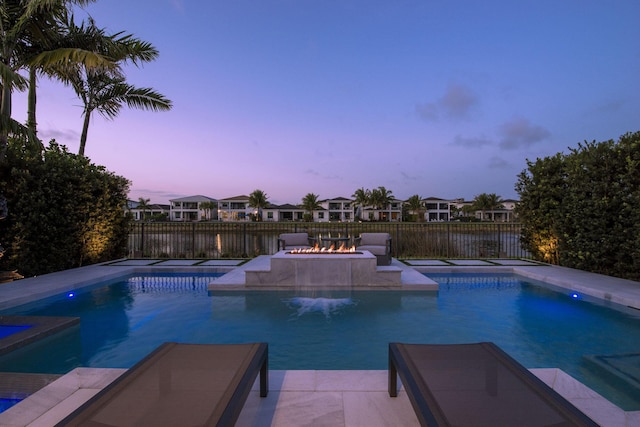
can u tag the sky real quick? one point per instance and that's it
(442, 99)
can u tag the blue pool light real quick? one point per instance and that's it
(71, 295)
(575, 295)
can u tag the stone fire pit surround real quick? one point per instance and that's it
(325, 270)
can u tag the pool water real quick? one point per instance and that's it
(6, 403)
(539, 327)
(6, 330)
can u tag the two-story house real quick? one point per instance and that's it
(193, 208)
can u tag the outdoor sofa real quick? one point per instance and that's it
(288, 241)
(379, 244)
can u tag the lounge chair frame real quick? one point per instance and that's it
(142, 381)
(495, 366)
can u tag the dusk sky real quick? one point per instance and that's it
(436, 98)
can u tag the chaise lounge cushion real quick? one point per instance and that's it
(476, 385)
(180, 385)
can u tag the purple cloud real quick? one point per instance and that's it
(472, 142)
(457, 103)
(520, 133)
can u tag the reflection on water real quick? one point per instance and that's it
(326, 306)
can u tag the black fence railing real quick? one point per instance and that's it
(250, 239)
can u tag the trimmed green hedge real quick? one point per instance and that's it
(582, 209)
(64, 211)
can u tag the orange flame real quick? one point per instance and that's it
(343, 249)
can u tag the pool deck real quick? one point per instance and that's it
(312, 398)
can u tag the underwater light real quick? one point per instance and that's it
(71, 295)
(574, 295)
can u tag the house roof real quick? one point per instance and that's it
(288, 206)
(198, 198)
(337, 198)
(241, 197)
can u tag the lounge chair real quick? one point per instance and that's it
(180, 385)
(475, 385)
(288, 241)
(379, 244)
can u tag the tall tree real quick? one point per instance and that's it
(104, 88)
(258, 201)
(414, 203)
(381, 198)
(361, 199)
(143, 205)
(311, 204)
(487, 202)
(63, 45)
(208, 208)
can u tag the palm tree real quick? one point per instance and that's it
(381, 198)
(26, 29)
(414, 203)
(258, 200)
(104, 88)
(310, 204)
(208, 207)
(494, 203)
(361, 199)
(143, 205)
(487, 202)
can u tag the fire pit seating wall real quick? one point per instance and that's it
(288, 241)
(379, 244)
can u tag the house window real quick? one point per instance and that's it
(320, 215)
(269, 215)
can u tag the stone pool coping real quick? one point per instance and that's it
(40, 327)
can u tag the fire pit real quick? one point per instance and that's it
(324, 268)
(317, 249)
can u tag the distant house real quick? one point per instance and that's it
(505, 214)
(337, 209)
(193, 208)
(393, 211)
(436, 209)
(152, 211)
(234, 208)
(286, 212)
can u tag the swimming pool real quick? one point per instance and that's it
(123, 321)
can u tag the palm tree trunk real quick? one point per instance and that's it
(5, 114)
(85, 130)
(31, 102)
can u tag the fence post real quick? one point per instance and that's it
(142, 241)
(449, 242)
(244, 239)
(193, 239)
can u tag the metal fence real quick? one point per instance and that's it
(249, 239)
